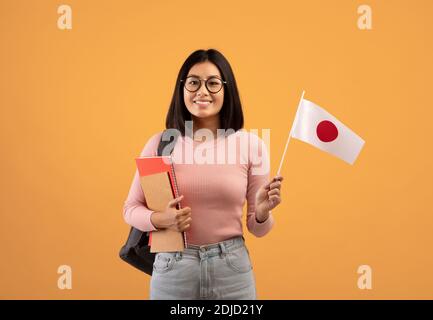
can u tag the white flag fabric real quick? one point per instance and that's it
(319, 128)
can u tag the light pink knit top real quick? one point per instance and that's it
(214, 188)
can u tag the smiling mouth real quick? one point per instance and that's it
(202, 103)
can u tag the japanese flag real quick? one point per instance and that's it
(319, 128)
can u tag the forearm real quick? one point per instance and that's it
(160, 220)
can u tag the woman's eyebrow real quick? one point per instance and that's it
(194, 75)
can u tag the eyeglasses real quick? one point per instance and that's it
(213, 84)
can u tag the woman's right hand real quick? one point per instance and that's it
(172, 218)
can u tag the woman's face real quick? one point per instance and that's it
(203, 103)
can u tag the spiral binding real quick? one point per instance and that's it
(176, 194)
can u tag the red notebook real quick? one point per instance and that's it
(158, 182)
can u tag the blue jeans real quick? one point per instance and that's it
(217, 271)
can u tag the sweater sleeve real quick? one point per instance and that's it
(135, 211)
(258, 175)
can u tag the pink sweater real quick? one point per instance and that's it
(215, 192)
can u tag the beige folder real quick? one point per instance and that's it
(158, 191)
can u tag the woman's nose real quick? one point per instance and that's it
(202, 90)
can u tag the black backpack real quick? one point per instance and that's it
(136, 250)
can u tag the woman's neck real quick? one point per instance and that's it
(211, 123)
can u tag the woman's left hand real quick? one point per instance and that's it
(268, 197)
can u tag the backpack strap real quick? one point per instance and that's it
(168, 137)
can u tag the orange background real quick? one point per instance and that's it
(78, 105)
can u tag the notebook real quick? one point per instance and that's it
(158, 182)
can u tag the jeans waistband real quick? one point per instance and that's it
(215, 249)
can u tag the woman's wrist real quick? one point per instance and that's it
(262, 217)
(156, 220)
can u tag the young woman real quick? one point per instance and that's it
(216, 262)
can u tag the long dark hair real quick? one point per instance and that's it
(231, 115)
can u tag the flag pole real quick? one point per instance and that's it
(290, 134)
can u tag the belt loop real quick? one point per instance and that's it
(223, 249)
(178, 255)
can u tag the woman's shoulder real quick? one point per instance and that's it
(151, 146)
(250, 137)
(156, 136)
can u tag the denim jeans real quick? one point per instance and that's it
(217, 271)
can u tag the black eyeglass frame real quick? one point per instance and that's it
(205, 83)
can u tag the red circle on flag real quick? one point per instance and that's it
(326, 131)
